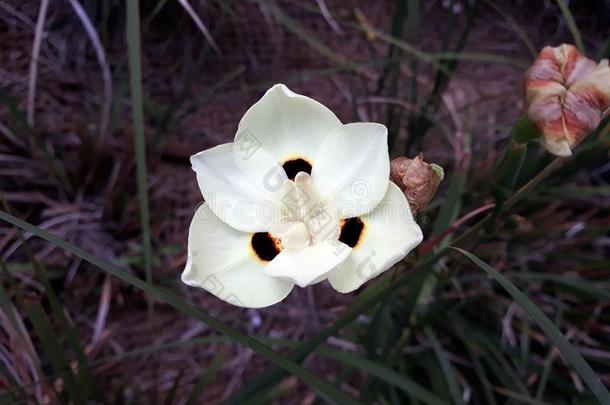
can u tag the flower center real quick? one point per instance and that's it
(306, 220)
(351, 231)
(265, 246)
(302, 204)
(293, 166)
(292, 235)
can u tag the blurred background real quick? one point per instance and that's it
(443, 76)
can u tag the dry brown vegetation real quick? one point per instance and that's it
(63, 172)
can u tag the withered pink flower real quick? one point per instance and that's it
(417, 179)
(566, 96)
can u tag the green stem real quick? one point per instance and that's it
(507, 172)
(524, 131)
(137, 113)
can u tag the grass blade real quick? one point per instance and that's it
(205, 379)
(84, 379)
(482, 375)
(378, 291)
(419, 126)
(197, 20)
(383, 373)
(301, 33)
(169, 398)
(137, 116)
(451, 206)
(323, 388)
(102, 61)
(448, 371)
(53, 349)
(83, 376)
(567, 15)
(521, 33)
(565, 347)
(578, 284)
(391, 71)
(137, 113)
(546, 367)
(39, 34)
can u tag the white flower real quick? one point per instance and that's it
(297, 198)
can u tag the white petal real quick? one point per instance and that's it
(310, 265)
(220, 260)
(557, 147)
(352, 168)
(293, 235)
(244, 190)
(288, 125)
(390, 234)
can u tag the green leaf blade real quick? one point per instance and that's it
(565, 347)
(321, 387)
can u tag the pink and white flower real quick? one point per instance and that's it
(566, 96)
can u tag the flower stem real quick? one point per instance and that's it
(507, 172)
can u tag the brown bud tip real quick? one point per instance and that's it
(417, 179)
(566, 96)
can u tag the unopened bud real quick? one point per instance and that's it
(417, 179)
(566, 96)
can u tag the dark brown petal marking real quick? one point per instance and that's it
(265, 246)
(351, 231)
(294, 166)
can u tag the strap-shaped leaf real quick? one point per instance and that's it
(321, 387)
(565, 347)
